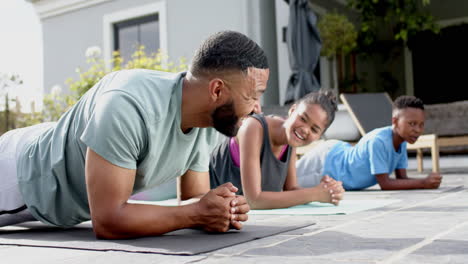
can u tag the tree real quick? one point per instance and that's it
(339, 37)
(385, 27)
(56, 103)
(395, 20)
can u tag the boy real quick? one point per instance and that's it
(374, 157)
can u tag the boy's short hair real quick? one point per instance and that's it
(407, 101)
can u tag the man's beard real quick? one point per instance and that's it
(225, 119)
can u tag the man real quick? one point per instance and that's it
(373, 159)
(134, 130)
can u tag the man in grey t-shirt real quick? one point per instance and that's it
(134, 130)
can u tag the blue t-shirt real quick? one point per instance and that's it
(374, 154)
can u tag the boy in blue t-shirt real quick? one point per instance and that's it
(374, 157)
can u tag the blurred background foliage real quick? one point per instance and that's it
(376, 33)
(57, 102)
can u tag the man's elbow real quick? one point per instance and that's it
(107, 228)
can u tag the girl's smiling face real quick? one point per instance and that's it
(306, 123)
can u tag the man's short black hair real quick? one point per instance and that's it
(406, 101)
(228, 50)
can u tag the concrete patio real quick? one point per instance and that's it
(426, 226)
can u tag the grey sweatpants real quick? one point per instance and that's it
(12, 207)
(309, 168)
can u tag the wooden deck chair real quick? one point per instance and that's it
(374, 110)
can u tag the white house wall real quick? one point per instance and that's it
(188, 22)
(282, 16)
(196, 20)
(67, 36)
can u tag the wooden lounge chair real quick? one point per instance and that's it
(374, 110)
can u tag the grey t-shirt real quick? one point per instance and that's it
(132, 119)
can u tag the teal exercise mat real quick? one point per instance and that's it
(346, 206)
(317, 208)
(181, 242)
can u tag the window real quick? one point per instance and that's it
(125, 29)
(130, 34)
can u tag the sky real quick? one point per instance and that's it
(21, 50)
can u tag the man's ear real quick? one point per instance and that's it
(292, 109)
(216, 89)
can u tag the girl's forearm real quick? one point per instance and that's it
(284, 199)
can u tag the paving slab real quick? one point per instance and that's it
(282, 259)
(418, 259)
(426, 226)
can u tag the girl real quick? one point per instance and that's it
(261, 159)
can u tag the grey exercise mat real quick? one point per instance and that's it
(181, 242)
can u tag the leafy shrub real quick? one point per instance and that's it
(56, 103)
